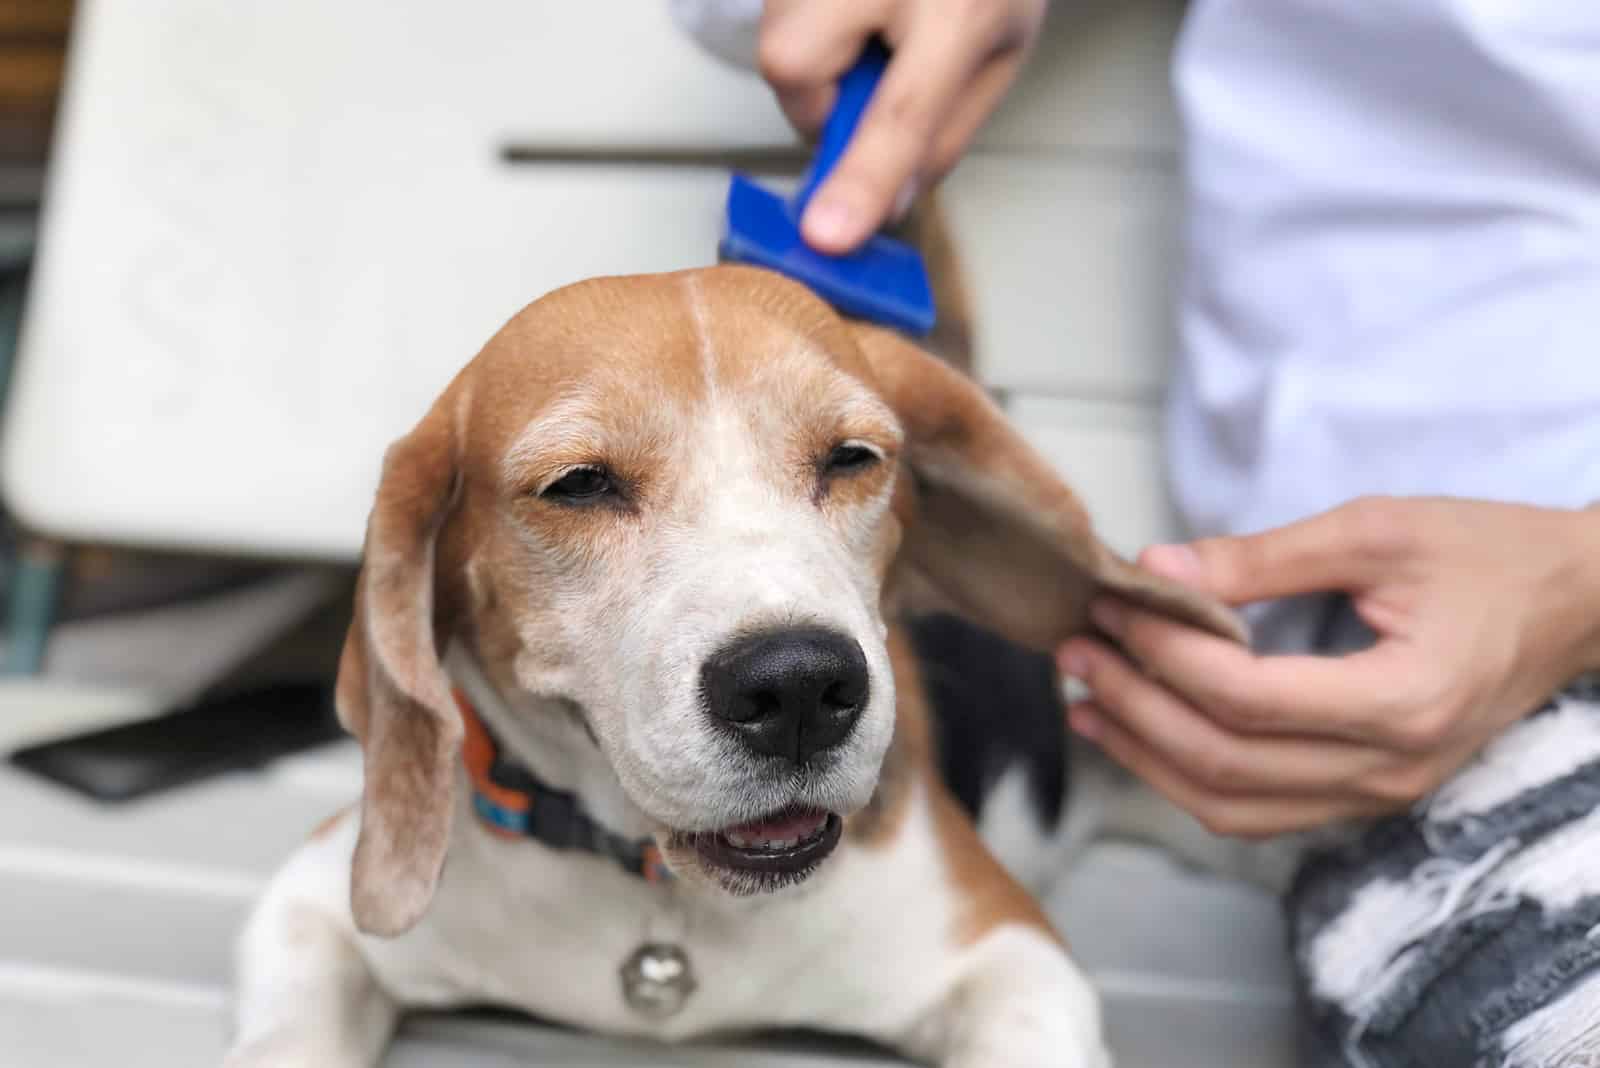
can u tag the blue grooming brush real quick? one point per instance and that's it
(884, 280)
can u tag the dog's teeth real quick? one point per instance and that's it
(757, 840)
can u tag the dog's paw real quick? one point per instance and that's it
(1024, 1004)
(278, 1053)
(257, 1056)
(1024, 1040)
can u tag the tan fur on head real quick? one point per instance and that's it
(712, 398)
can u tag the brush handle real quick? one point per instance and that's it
(855, 92)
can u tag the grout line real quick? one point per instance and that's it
(74, 866)
(35, 981)
(792, 159)
(1120, 984)
(1086, 393)
(1113, 983)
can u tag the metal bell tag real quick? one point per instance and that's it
(657, 980)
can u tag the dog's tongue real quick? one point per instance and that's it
(795, 825)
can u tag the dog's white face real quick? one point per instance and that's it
(667, 505)
(691, 533)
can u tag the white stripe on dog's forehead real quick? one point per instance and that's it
(702, 335)
(792, 375)
(795, 358)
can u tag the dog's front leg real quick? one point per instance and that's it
(306, 997)
(1018, 1002)
(1010, 994)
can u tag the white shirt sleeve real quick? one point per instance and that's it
(1392, 274)
(726, 28)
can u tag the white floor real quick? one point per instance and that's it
(116, 925)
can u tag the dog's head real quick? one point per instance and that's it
(676, 504)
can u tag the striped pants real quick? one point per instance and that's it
(1466, 933)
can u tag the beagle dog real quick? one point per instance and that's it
(647, 740)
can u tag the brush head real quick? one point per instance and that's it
(883, 281)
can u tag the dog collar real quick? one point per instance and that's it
(511, 802)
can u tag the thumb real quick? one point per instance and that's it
(1321, 554)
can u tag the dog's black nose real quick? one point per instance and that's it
(788, 693)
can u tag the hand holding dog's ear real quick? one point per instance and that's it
(1481, 611)
(995, 530)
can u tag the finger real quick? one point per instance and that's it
(976, 103)
(895, 137)
(1349, 548)
(807, 109)
(1240, 817)
(805, 45)
(1206, 752)
(1358, 697)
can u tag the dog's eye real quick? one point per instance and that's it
(580, 484)
(848, 458)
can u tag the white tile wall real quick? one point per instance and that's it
(1071, 264)
(1110, 453)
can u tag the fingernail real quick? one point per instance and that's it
(1084, 722)
(829, 221)
(1107, 615)
(1173, 561)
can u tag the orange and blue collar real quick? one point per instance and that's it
(512, 803)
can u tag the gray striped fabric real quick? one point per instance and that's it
(1465, 933)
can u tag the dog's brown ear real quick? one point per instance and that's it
(994, 528)
(392, 691)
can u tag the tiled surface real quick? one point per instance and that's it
(1071, 265)
(118, 923)
(1109, 452)
(231, 325)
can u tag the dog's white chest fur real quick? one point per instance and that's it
(518, 924)
(868, 945)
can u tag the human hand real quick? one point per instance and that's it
(1482, 610)
(952, 62)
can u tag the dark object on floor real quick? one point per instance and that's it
(33, 44)
(242, 731)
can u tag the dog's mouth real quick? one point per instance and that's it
(770, 853)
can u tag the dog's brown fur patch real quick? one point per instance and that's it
(990, 896)
(909, 757)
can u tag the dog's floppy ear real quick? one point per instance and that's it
(994, 528)
(392, 691)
